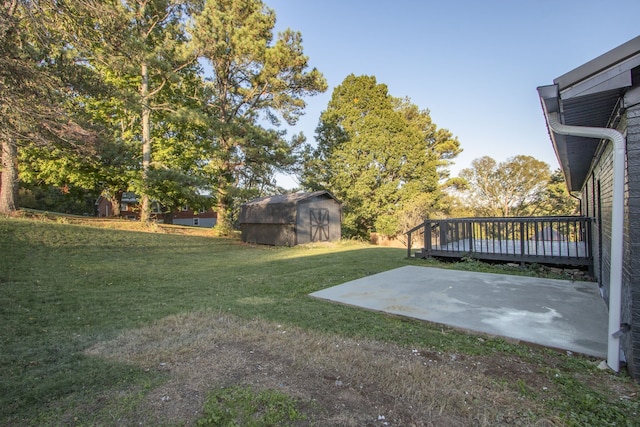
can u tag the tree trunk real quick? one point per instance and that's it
(223, 223)
(9, 178)
(116, 203)
(145, 204)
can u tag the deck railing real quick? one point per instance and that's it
(552, 240)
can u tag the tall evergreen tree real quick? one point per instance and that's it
(556, 199)
(177, 174)
(253, 78)
(40, 78)
(155, 50)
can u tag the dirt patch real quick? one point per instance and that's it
(338, 381)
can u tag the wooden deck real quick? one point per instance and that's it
(544, 240)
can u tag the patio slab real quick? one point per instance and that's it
(559, 314)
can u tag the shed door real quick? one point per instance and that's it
(319, 225)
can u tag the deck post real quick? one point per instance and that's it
(427, 237)
(409, 245)
(444, 231)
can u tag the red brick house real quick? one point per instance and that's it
(129, 209)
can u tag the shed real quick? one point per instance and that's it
(593, 117)
(291, 219)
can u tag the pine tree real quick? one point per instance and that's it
(41, 75)
(252, 78)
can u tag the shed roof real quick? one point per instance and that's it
(592, 95)
(278, 209)
(289, 199)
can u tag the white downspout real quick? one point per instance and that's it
(617, 225)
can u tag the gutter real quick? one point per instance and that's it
(615, 330)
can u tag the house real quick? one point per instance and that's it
(195, 217)
(593, 117)
(129, 209)
(291, 219)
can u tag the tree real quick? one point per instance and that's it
(515, 187)
(177, 175)
(250, 76)
(149, 53)
(556, 199)
(108, 170)
(377, 153)
(40, 77)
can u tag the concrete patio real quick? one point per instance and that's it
(552, 313)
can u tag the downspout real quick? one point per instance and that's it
(617, 226)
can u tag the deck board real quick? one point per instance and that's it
(516, 247)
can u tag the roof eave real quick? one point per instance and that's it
(550, 102)
(596, 65)
(588, 96)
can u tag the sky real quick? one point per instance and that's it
(474, 64)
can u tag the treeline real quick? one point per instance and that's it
(390, 165)
(165, 98)
(182, 102)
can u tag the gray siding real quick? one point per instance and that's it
(600, 194)
(602, 179)
(589, 208)
(606, 200)
(631, 283)
(269, 234)
(272, 213)
(304, 231)
(202, 222)
(286, 220)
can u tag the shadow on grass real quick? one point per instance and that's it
(67, 287)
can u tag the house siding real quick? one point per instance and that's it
(202, 222)
(599, 193)
(602, 178)
(589, 209)
(631, 283)
(188, 217)
(130, 210)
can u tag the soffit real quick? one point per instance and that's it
(590, 96)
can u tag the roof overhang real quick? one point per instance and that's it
(594, 95)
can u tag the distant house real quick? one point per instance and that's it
(291, 219)
(188, 216)
(130, 209)
(593, 116)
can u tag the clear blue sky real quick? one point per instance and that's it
(474, 64)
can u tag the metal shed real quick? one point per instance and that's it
(291, 219)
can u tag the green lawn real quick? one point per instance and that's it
(66, 287)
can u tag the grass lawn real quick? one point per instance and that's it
(103, 325)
